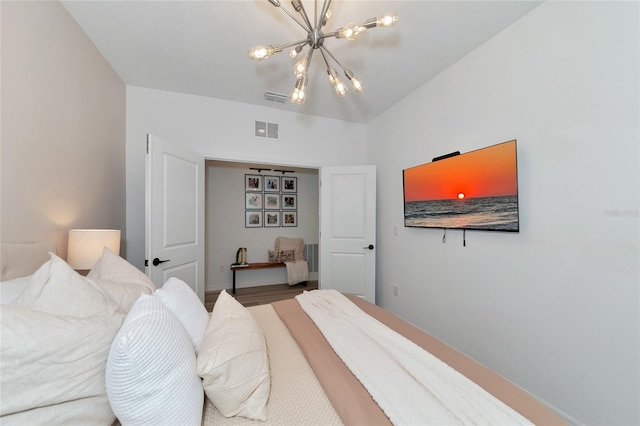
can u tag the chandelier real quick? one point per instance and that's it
(315, 40)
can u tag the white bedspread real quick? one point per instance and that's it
(408, 383)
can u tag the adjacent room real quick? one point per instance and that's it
(106, 105)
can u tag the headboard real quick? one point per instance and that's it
(23, 259)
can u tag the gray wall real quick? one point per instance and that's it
(63, 129)
(554, 308)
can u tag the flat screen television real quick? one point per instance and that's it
(476, 190)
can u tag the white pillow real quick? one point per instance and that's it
(186, 305)
(233, 361)
(151, 372)
(57, 289)
(112, 267)
(53, 366)
(122, 281)
(10, 290)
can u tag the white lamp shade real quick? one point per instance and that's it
(86, 246)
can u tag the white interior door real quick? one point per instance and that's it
(174, 215)
(348, 230)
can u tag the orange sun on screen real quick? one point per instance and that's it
(460, 195)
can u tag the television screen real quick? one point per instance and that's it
(475, 190)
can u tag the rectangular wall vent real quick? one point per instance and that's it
(266, 130)
(261, 129)
(272, 130)
(311, 256)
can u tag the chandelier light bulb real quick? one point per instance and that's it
(293, 53)
(295, 97)
(357, 85)
(298, 94)
(260, 53)
(300, 68)
(351, 31)
(341, 88)
(389, 20)
(338, 85)
(327, 15)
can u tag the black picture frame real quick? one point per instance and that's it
(289, 184)
(271, 183)
(253, 219)
(289, 219)
(289, 202)
(272, 219)
(253, 183)
(253, 201)
(271, 201)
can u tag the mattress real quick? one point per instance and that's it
(311, 385)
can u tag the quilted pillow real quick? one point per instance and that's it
(295, 244)
(53, 367)
(233, 361)
(151, 371)
(186, 305)
(57, 289)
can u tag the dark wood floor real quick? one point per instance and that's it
(252, 296)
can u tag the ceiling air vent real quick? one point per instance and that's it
(275, 97)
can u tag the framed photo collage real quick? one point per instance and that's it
(270, 201)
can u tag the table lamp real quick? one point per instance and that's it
(86, 246)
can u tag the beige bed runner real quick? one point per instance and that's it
(353, 402)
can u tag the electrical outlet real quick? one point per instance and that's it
(395, 290)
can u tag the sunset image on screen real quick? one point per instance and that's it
(475, 190)
(487, 172)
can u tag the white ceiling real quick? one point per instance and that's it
(200, 47)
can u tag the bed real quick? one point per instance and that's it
(267, 364)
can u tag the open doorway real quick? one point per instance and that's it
(226, 227)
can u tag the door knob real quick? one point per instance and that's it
(157, 261)
(370, 247)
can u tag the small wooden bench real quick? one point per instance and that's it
(246, 266)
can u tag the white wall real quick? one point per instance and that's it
(63, 129)
(220, 129)
(225, 226)
(554, 308)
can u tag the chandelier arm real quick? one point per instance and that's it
(332, 34)
(322, 48)
(299, 7)
(292, 16)
(322, 20)
(279, 47)
(324, 57)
